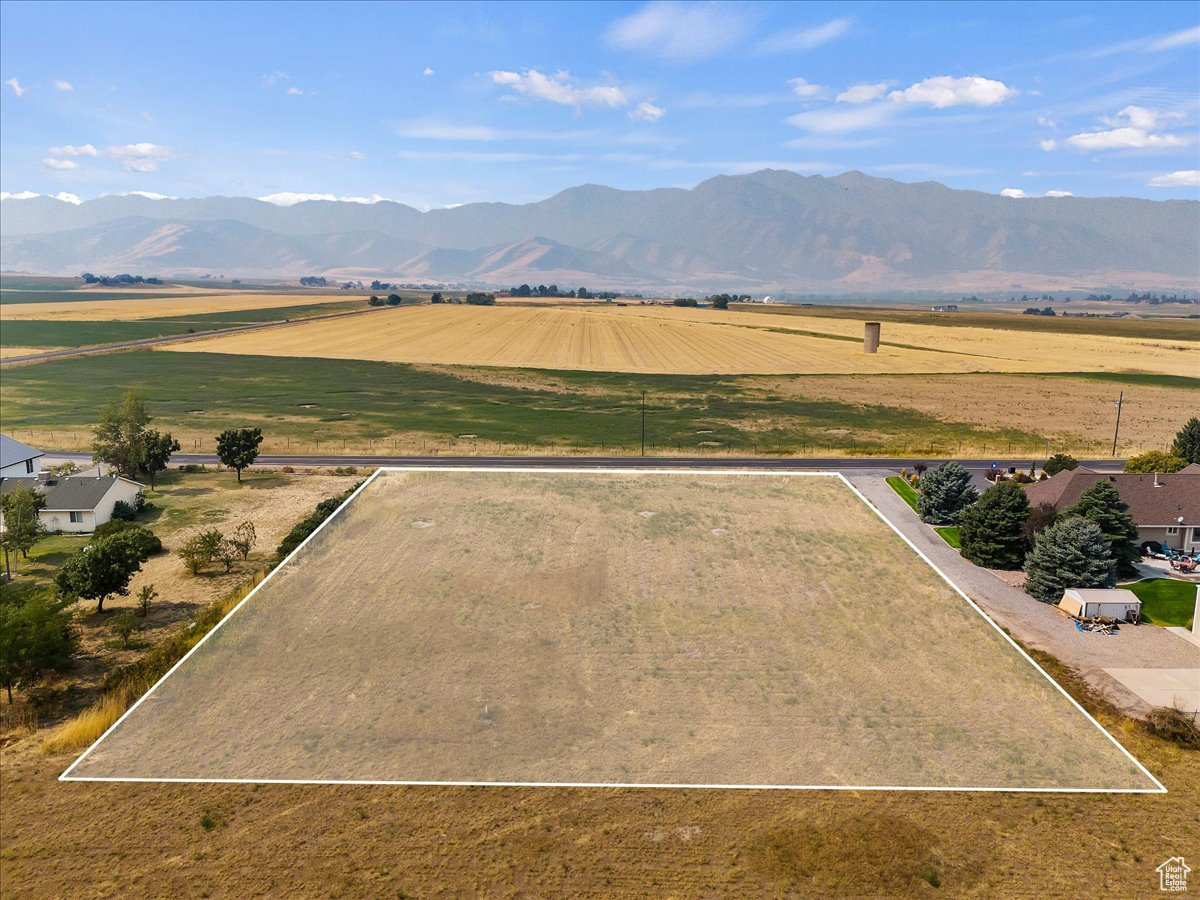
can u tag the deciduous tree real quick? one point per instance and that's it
(1155, 461)
(103, 568)
(119, 438)
(36, 636)
(238, 448)
(1059, 462)
(22, 527)
(156, 453)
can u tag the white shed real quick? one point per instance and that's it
(1118, 604)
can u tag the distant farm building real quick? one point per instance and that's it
(945, 307)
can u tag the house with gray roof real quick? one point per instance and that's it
(17, 458)
(1165, 508)
(76, 503)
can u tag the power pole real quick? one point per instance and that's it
(1117, 430)
(643, 423)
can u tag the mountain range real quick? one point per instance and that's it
(765, 231)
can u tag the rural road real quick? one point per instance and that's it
(142, 343)
(831, 463)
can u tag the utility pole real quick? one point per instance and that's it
(1117, 430)
(643, 423)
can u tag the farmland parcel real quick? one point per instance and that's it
(640, 628)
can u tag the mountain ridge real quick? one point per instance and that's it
(766, 230)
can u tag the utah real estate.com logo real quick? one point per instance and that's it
(1172, 875)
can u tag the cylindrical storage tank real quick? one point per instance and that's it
(871, 337)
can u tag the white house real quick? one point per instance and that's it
(76, 503)
(17, 458)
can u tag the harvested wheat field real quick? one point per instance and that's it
(611, 628)
(181, 304)
(682, 341)
(7, 352)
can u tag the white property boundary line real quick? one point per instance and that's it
(1158, 789)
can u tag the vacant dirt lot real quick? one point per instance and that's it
(649, 629)
(685, 341)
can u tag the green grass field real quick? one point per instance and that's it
(319, 399)
(904, 489)
(1166, 601)
(949, 534)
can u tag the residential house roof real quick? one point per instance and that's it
(1154, 500)
(71, 494)
(13, 452)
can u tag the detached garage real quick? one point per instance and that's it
(1117, 604)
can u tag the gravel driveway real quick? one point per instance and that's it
(1037, 624)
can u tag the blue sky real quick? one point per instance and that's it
(440, 104)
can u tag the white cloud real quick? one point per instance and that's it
(1182, 178)
(428, 71)
(1046, 122)
(295, 92)
(943, 91)
(1124, 139)
(862, 93)
(356, 155)
(65, 197)
(647, 112)
(1015, 193)
(275, 78)
(557, 88)
(69, 150)
(149, 195)
(149, 117)
(64, 86)
(802, 88)
(836, 121)
(1048, 144)
(142, 157)
(16, 87)
(446, 131)
(1132, 128)
(290, 198)
(679, 32)
(485, 156)
(1179, 39)
(1059, 194)
(816, 142)
(22, 195)
(1136, 117)
(807, 38)
(60, 165)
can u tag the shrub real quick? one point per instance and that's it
(123, 511)
(124, 624)
(992, 532)
(143, 540)
(1039, 519)
(145, 596)
(945, 492)
(1060, 462)
(1173, 724)
(1071, 553)
(1153, 461)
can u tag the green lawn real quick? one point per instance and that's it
(326, 399)
(37, 572)
(949, 534)
(904, 489)
(1166, 601)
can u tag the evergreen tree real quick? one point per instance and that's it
(1071, 553)
(945, 492)
(1102, 505)
(1187, 441)
(992, 531)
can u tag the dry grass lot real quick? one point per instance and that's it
(6, 352)
(185, 302)
(686, 341)
(631, 628)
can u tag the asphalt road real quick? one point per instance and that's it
(831, 463)
(142, 343)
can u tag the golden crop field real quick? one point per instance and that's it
(183, 304)
(7, 352)
(656, 339)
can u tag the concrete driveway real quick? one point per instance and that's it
(1141, 648)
